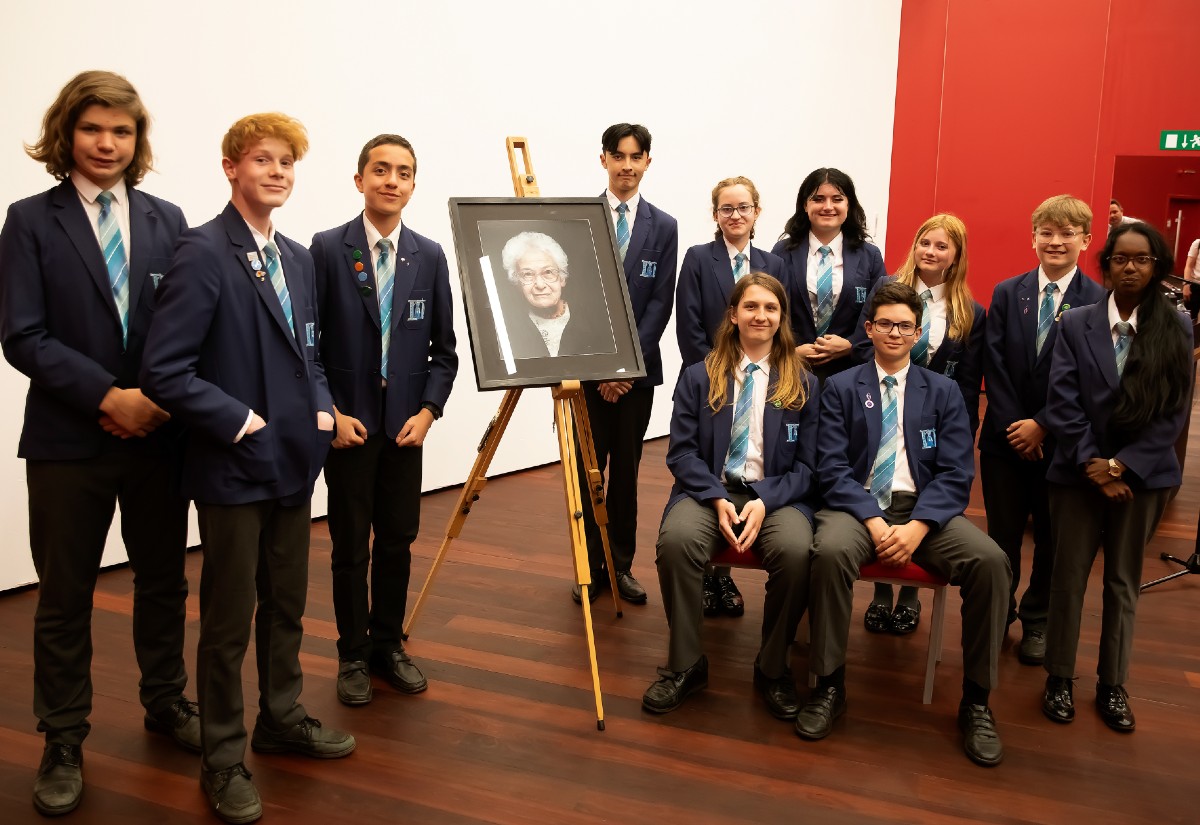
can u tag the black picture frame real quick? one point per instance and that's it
(598, 340)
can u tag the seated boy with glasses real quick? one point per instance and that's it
(895, 464)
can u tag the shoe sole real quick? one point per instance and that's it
(1062, 720)
(260, 747)
(625, 598)
(682, 699)
(154, 726)
(984, 763)
(355, 701)
(46, 810)
(810, 737)
(237, 820)
(402, 688)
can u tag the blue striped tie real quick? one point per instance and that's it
(275, 272)
(385, 276)
(622, 230)
(1045, 316)
(739, 266)
(1122, 347)
(115, 259)
(920, 353)
(824, 290)
(889, 437)
(739, 441)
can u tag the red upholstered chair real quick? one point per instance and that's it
(910, 574)
(914, 576)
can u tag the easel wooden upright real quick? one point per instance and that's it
(572, 426)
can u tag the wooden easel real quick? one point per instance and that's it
(571, 423)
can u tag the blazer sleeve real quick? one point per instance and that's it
(840, 489)
(63, 371)
(969, 372)
(443, 357)
(685, 455)
(1001, 391)
(861, 349)
(320, 276)
(1065, 416)
(322, 396)
(689, 318)
(799, 483)
(187, 302)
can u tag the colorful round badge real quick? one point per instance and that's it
(358, 254)
(358, 266)
(362, 276)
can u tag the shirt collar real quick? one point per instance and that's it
(936, 292)
(764, 366)
(900, 375)
(732, 250)
(1063, 283)
(814, 245)
(374, 235)
(614, 201)
(1114, 317)
(261, 240)
(90, 191)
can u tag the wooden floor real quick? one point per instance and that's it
(506, 732)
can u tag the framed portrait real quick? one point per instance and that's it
(545, 292)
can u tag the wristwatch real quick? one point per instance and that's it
(1113, 469)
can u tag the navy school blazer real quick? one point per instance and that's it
(422, 361)
(59, 323)
(219, 346)
(700, 442)
(650, 265)
(861, 269)
(937, 440)
(1084, 387)
(1016, 375)
(705, 284)
(960, 360)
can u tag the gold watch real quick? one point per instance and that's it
(1113, 469)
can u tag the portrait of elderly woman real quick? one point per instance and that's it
(554, 315)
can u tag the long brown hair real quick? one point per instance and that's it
(790, 387)
(961, 316)
(56, 145)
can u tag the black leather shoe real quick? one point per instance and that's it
(599, 583)
(400, 671)
(59, 782)
(815, 720)
(905, 619)
(180, 721)
(629, 589)
(731, 598)
(1058, 704)
(231, 794)
(1113, 704)
(1033, 646)
(878, 618)
(306, 737)
(672, 688)
(353, 682)
(980, 739)
(779, 694)
(712, 596)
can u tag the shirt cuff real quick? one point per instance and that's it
(246, 426)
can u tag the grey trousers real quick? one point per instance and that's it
(960, 552)
(689, 537)
(1081, 520)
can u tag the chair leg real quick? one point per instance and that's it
(935, 641)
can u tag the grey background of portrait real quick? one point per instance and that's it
(806, 83)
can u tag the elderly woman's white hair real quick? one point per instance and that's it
(519, 245)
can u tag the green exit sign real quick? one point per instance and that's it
(1180, 140)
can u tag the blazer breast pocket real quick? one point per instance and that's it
(414, 311)
(927, 438)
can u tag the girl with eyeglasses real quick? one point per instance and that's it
(706, 280)
(1119, 396)
(832, 268)
(950, 342)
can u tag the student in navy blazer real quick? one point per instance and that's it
(951, 343)
(828, 215)
(895, 465)
(619, 411)
(1014, 448)
(373, 471)
(742, 458)
(1119, 397)
(91, 438)
(233, 353)
(706, 279)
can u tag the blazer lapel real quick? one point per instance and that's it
(1072, 297)
(143, 225)
(772, 424)
(356, 241)
(722, 426)
(74, 221)
(1099, 338)
(407, 265)
(722, 270)
(1028, 310)
(915, 393)
(244, 251)
(637, 241)
(800, 274)
(871, 398)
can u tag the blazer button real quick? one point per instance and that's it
(299, 373)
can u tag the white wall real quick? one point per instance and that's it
(772, 93)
